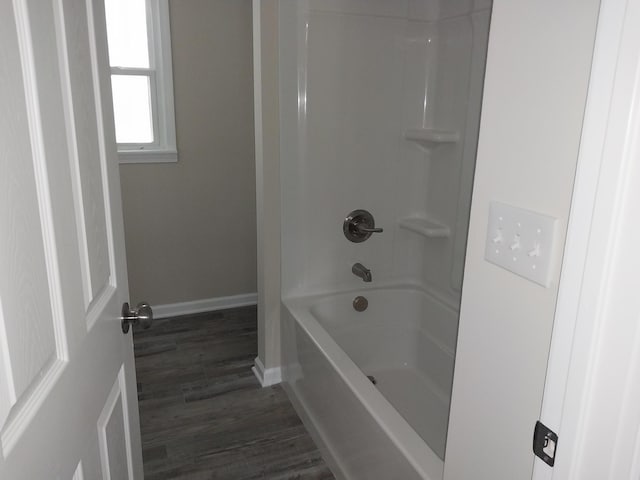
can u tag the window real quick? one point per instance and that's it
(141, 80)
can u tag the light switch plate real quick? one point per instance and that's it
(521, 241)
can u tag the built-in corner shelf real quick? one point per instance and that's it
(425, 227)
(429, 138)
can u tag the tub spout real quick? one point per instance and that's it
(361, 271)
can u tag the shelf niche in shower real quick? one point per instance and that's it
(425, 227)
(428, 138)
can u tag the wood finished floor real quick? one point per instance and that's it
(204, 415)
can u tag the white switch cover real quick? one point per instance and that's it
(521, 241)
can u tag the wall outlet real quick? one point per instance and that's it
(521, 241)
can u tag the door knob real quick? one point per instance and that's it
(142, 315)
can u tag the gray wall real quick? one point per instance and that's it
(191, 226)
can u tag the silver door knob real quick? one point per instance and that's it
(142, 314)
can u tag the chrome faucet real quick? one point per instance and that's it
(361, 271)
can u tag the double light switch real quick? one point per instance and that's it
(521, 241)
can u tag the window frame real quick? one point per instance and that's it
(160, 72)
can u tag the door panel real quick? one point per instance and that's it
(33, 320)
(115, 458)
(82, 103)
(87, 159)
(68, 406)
(86, 156)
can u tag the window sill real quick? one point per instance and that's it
(147, 156)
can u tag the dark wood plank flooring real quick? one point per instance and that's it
(204, 415)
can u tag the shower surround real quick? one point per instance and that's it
(380, 107)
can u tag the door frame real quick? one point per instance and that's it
(592, 285)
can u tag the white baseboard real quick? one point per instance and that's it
(205, 305)
(268, 377)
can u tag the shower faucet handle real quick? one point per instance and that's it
(361, 228)
(359, 225)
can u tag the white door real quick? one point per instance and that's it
(68, 407)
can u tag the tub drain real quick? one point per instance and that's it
(372, 379)
(360, 303)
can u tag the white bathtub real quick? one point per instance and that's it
(395, 429)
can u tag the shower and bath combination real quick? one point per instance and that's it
(388, 92)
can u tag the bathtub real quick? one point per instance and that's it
(404, 341)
